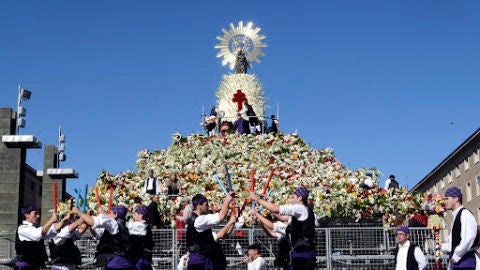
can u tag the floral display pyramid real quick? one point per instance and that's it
(334, 189)
(278, 163)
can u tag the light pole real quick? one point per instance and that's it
(61, 156)
(23, 94)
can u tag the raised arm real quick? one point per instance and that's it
(228, 228)
(49, 223)
(59, 225)
(280, 217)
(268, 205)
(75, 224)
(269, 232)
(224, 211)
(85, 217)
(265, 221)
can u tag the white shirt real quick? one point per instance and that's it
(402, 257)
(28, 232)
(280, 228)
(65, 234)
(183, 263)
(104, 222)
(298, 211)
(137, 228)
(368, 182)
(257, 264)
(353, 180)
(387, 183)
(468, 233)
(477, 261)
(205, 222)
(149, 182)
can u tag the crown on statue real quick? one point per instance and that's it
(240, 46)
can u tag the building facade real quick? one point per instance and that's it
(20, 184)
(462, 169)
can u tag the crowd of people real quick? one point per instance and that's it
(246, 122)
(462, 245)
(122, 244)
(128, 244)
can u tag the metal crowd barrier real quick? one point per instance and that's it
(337, 248)
(7, 245)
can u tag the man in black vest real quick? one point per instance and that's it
(112, 249)
(461, 243)
(64, 254)
(29, 245)
(301, 230)
(205, 253)
(408, 256)
(152, 184)
(391, 183)
(141, 239)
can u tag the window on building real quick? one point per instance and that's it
(450, 178)
(478, 214)
(466, 165)
(457, 171)
(469, 191)
(478, 185)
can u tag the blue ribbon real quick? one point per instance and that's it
(221, 184)
(85, 200)
(266, 197)
(229, 181)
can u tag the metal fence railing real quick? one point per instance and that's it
(336, 248)
(7, 247)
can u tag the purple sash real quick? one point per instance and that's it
(119, 262)
(303, 255)
(143, 264)
(468, 260)
(199, 259)
(24, 265)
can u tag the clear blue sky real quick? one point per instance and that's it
(391, 84)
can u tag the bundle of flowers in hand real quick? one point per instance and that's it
(434, 204)
(201, 163)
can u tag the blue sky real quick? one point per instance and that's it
(390, 84)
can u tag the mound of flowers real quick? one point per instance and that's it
(335, 190)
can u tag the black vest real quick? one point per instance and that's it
(141, 246)
(393, 184)
(173, 190)
(412, 264)
(203, 243)
(154, 190)
(456, 230)
(111, 245)
(67, 253)
(282, 258)
(302, 233)
(32, 252)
